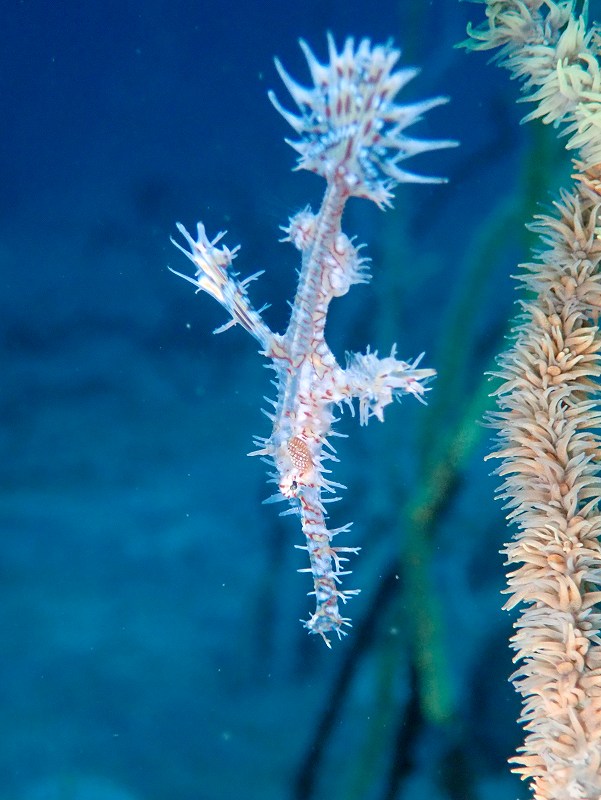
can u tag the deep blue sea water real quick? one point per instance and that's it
(149, 602)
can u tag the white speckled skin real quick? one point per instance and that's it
(351, 133)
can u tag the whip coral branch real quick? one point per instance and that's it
(351, 132)
(549, 415)
(550, 455)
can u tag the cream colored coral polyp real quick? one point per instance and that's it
(549, 416)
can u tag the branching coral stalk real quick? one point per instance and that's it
(549, 413)
(556, 56)
(550, 458)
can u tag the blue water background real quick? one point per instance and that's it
(149, 604)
